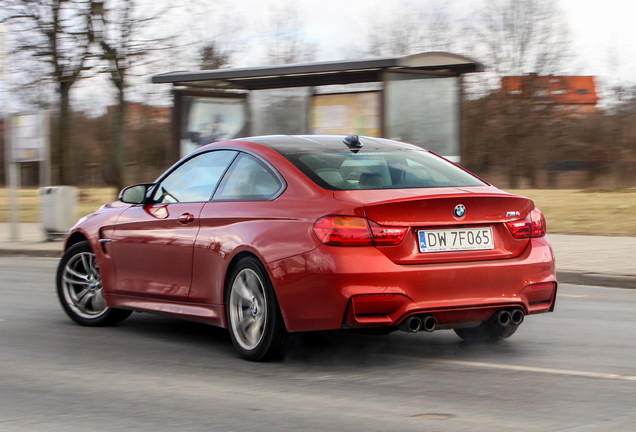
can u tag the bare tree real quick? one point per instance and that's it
(620, 138)
(121, 30)
(408, 29)
(212, 57)
(516, 38)
(59, 34)
(522, 36)
(286, 43)
(215, 30)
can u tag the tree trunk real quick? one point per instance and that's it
(65, 166)
(513, 173)
(120, 139)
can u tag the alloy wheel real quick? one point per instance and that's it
(248, 309)
(82, 286)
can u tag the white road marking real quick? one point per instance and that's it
(572, 295)
(598, 375)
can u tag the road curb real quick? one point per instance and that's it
(597, 279)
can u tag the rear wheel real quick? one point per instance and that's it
(79, 288)
(254, 321)
(486, 332)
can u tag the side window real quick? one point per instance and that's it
(248, 179)
(195, 179)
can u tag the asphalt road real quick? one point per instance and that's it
(573, 370)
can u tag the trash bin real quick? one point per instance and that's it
(58, 210)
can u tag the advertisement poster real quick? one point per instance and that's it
(29, 136)
(209, 119)
(346, 113)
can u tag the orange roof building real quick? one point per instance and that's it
(576, 93)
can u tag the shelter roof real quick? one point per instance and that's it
(321, 73)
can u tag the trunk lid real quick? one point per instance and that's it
(432, 212)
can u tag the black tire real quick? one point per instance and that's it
(486, 332)
(79, 289)
(253, 317)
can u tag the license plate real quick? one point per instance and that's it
(448, 240)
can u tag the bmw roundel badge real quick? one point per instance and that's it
(460, 210)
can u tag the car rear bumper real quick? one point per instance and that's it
(336, 287)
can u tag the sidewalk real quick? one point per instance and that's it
(595, 260)
(31, 242)
(587, 260)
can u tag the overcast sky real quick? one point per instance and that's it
(603, 33)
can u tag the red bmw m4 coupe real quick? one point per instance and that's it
(277, 234)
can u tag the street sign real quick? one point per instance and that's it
(29, 136)
(27, 140)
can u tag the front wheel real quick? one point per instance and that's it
(79, 288)
(254, 321)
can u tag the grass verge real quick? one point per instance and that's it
(586, 212)
(90, 199)
(567, 211)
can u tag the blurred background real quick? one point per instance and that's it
(552, 117)
(554, 109)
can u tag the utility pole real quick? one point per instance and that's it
(12, 173)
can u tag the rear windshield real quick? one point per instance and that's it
(381, 170)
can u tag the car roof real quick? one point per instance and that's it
(287, 144)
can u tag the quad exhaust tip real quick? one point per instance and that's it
(428, 323)
(414, 324)
(516, 317)
(504, 317)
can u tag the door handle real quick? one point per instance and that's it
(186, 218)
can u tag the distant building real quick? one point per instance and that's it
(139, 115)
(571, 94)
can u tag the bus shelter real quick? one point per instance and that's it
(414, 98)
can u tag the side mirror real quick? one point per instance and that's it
(135, 194)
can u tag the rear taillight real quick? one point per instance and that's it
(387, 236)
(538, 223)
(520, 229)
(532, 226)
(356, 231)
(343, 231)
